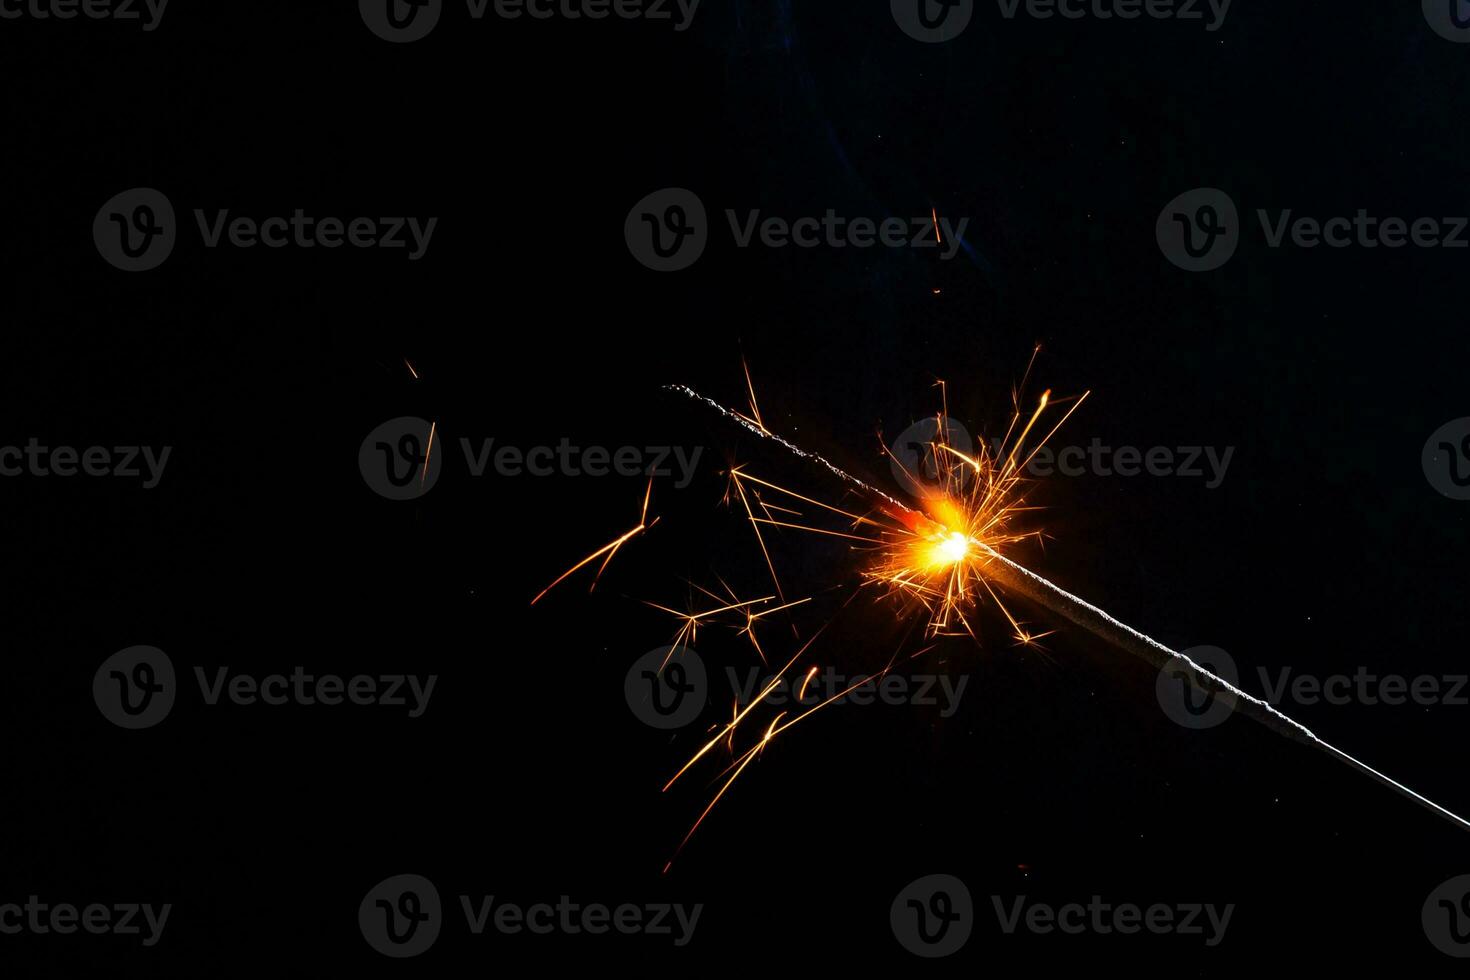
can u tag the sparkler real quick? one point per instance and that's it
(1017, 578)
(949, 553)
(943, 558)
(933, 556)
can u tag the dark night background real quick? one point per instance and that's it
(1059, 778)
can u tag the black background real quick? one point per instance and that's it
(1325, 549)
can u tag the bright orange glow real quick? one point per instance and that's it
(950, 549)
(932, 556)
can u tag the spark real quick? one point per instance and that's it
(689, 622)
(748, 615)
(607, 551)
(933, 556)
(755, 410)
(428, 453)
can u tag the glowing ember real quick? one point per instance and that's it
(950, 549)
(932, 556)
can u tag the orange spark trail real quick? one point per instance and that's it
(608, 550)
(428, 452)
